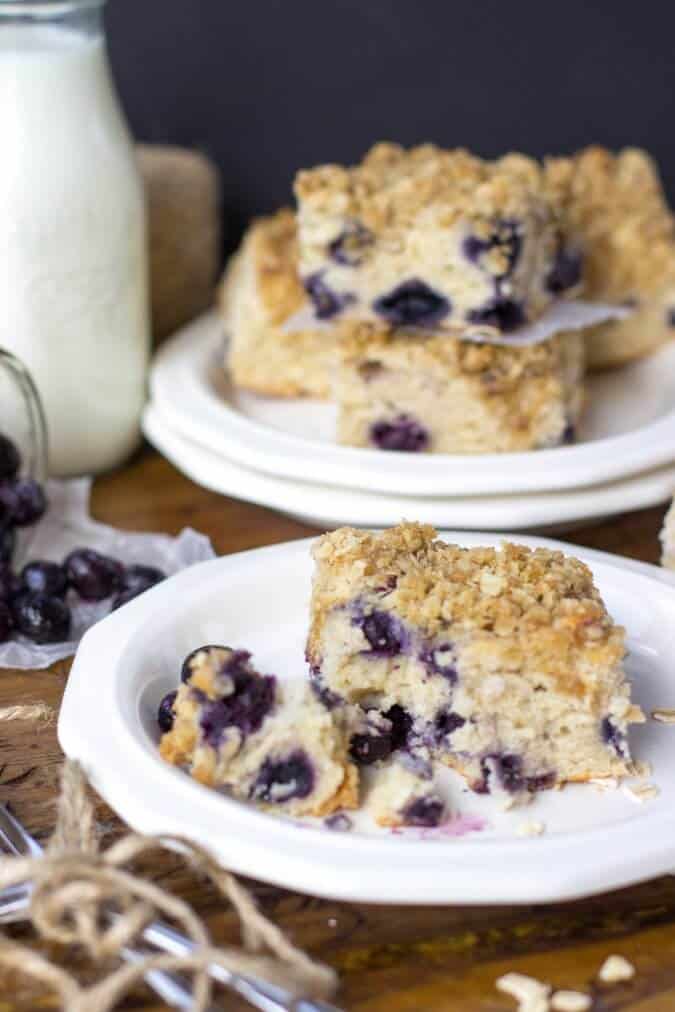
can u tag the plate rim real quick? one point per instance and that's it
(201, 414)
(202, 465)
(529, 878)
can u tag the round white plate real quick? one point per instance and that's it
(629, 427)
(326, 506)
(259, 600)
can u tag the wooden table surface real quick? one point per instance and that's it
(390, 959)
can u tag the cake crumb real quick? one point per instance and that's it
(605, 783)
(664, 715)
(530, 828)
(531, 994)
(641, 792)
(616, 969)
(570, 1001)
(640, 769)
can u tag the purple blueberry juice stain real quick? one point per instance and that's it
(506, 238)
(445, 723)
(281, 780)
(326, 302)
(384, 633)
(412, 304)
(612, 736)
(440, 660)
(402, 433)
(349, 247)
(508, 769)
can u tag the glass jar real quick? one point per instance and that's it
(73, 258)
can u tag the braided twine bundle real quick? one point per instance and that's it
(76, 883)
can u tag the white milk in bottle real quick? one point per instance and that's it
(73, 261)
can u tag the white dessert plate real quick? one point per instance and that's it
(326, 506)
(629, 427)
(594, 840)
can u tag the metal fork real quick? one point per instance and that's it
(15, 839)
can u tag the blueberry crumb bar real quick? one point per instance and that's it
(504, 664)
(233, 727)
(398, 389)
(432, 238)
(616, 211)
(259, 293)
(404, 794)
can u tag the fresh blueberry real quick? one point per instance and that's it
(500, 312)
(411, 304)
(349, 246)
(22, 501)
(569, 434)
(401, 725)
(424, 812)
(402, 433)
(670, 317)
(7, 544)
(10, 459)
(566, 271)
(165, 713)
(251, 699)
(6, 621)
(92, 575)
(10, 585)
(43, 577)
(280, 780)
(383, 632)
(140, 578)
(42, 618)
(326, 302)
(186, 670)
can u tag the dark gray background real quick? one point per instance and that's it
(267, 86)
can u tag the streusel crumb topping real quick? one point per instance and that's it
(615, 205)
(275, 253)
(393, 186)
(509, 592)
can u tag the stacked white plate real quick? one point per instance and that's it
(283, 454)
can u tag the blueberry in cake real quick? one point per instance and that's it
(260, 292)
(432, 238)
(504, 663)
(404, 794)
(616, 211)
(233, 727)
(413, 391)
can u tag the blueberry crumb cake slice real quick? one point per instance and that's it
(233, 727)
(413, 391)
(432, 238)
(504, 664)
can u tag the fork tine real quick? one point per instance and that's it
(15, 838)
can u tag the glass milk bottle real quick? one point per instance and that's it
(73, 260)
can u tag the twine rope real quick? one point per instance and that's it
(76, 886)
